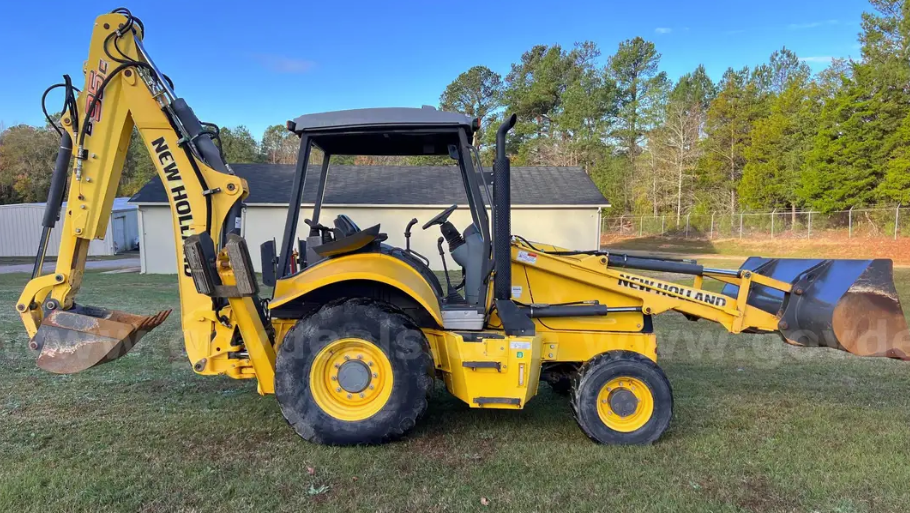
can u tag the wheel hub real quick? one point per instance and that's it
(623, 402)
(351, 379)
(354, 376)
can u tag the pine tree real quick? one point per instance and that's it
(780, 146)
(728, 126)
(859, 154)
(477, 93)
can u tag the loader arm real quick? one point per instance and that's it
(123, 89)
(850, 305)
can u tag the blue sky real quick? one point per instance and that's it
(261, 63)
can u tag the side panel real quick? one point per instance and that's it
(581, 346)
(488, 370)
(536, 286)
(492, 370)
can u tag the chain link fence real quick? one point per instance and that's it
(891, 222)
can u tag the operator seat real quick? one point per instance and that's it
(344, 227)
(347, 237)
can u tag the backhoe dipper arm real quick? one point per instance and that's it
(123, 89)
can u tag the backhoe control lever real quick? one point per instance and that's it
(407, 234)
(319, 229)
(451, 294)
(407, 242)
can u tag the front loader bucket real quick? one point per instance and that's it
(74, 340)
(850, 305)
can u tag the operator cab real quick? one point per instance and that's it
(392, 132)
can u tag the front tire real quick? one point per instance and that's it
(622, 398)
(357, 371)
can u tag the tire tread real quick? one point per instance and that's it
(407, 418)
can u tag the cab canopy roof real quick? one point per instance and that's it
(384, 131)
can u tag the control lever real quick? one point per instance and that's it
(407, 235)
(451, 294)
(319, 229)
(407, 242)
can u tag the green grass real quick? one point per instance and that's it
(758, 426)
(15, 260)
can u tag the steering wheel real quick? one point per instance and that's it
(440, 218)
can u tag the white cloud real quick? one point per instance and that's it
(663, 30)
(812, 24)
(282, 64)
(817, 58)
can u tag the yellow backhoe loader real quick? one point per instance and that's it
(356, 330)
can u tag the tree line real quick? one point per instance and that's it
(772, 136)
(27, 155)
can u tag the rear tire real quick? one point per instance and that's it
(357, 371)
(622, 398)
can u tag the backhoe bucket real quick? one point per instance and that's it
(74, 340)
(850, 305)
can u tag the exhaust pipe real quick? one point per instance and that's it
(502, 216)
(514, 321)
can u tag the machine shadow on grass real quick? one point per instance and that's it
(653, 245)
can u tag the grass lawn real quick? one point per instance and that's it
(758, 426)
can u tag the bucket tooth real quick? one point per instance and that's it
(74, 340)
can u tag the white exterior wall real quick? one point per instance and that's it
(574, 228)
(20, 231)
(156, 240)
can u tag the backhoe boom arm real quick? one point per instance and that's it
(124, 89)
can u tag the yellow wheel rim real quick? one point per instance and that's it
(625, 404)
(351, 379)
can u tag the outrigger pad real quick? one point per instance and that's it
(851, 305)
(74, 340)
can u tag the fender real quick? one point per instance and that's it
(362, 266)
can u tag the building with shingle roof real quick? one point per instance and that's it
(558, 205)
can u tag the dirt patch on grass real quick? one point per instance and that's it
(445, 450)
(755, 493)
(897, 250)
